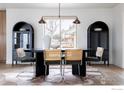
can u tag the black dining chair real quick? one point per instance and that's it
(97, 57)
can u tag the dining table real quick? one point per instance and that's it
(41, 69)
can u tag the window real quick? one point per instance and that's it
(62, 32)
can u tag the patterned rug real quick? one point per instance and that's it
(93, 77)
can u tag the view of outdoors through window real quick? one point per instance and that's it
(62, 32)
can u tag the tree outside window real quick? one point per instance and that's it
(62, 32)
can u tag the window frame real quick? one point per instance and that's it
(60, 19)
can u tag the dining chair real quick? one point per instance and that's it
(22, 57)
(74, 56)
(97, 58)
(52, 57)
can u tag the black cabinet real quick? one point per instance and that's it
(23, 37)
(98, 36)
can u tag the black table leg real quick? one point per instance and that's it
(41, 69)
(77, 67)
(83, 69)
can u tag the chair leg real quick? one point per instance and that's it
(63, 70)
(45, 72)
(104, 62)
(12, 63)
(16, 62)
(79, 69)
(89, 63)
(108, 62)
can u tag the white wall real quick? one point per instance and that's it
(32, 16)
(118, 36)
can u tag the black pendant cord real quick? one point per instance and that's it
(60, 22)
(59, 10)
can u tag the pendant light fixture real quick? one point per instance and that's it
(76, 21)
(42, 21)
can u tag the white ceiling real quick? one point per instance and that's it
(3, 6)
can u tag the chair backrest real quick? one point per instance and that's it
(52, 55)
(73, 54)
(99, 51)
(20, 52)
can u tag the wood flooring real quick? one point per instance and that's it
(113, 74)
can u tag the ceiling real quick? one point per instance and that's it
(3, 6)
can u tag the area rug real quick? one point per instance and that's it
(93, 77)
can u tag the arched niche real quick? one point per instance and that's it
(23, 37)
(98, 36)
(23, 26)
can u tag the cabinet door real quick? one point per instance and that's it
(2, 36)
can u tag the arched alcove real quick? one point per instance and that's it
(98, 36)
(23, 37)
